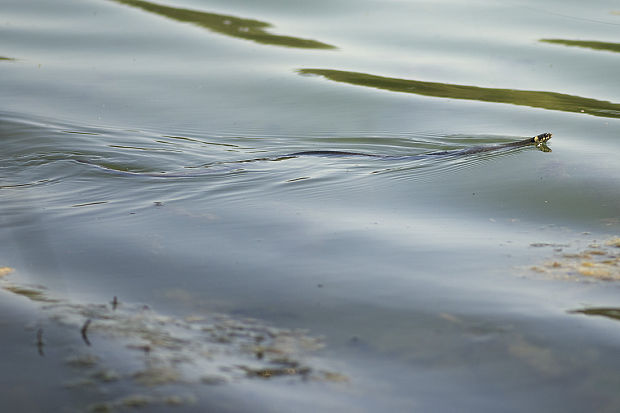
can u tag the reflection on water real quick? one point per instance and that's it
(536, 99)
(248, 29)
(613, 313)
(6, 58)
(590, 44)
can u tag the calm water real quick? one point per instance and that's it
(143, 157)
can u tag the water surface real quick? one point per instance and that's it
(144, 157)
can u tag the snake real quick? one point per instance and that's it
(539, 141)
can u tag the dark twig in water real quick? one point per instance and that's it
(114, 303)
(40, 342)
(84, 329)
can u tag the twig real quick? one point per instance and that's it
(40, 342)
(84, 329)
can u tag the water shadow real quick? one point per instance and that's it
(588, 44)
(532, 98)
(248, 29)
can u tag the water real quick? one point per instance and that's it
(143, 157)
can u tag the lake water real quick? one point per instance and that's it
(160, 248)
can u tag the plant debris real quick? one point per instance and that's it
(599, 261)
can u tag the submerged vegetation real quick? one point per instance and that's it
(158, 350)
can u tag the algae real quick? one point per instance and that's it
(33, 293)
(597, 262)
(156, 351)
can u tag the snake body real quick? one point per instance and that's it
(538, 141)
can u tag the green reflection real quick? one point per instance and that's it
(6, 58)
(610, 312)
(229, 25)
(610, 47)
(536, 99)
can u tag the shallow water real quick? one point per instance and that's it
(144, 157)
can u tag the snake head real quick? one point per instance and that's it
(543, 137)
(540, 141)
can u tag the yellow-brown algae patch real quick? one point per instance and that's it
(194, 318)
(157, 376)
(100, 408)
(31, 293)
(106, 375)
(334, 377)
(136, 400)
(176, 350)
(598, 262)
(267, 373)
(82, 360)
(595, 273)
(4, 271)
(451, 318)
(540, 358)
(614, 242)
(174, 400)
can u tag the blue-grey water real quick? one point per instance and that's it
(143, 156)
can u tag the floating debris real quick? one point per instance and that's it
(5, 271)
(82, 360)
(614, 242)
(83, 331)
(33, 293)
(546, 244)
(599, 261)
(157, 376)
(106, 376)
(137, 401)
(40, 342)
(138, 348)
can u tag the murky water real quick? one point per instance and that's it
(161, 247)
